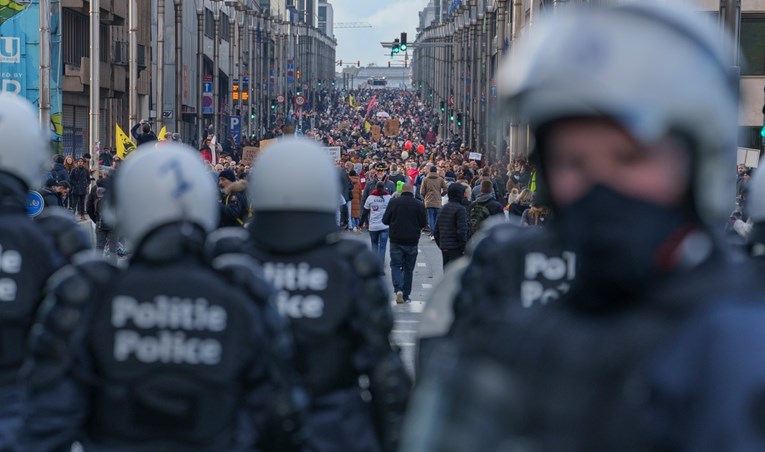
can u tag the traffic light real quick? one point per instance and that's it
(252, 112)
(358, 63)
(430, 94)
(319, 83)
(459, 119)
(443, 106)
(396, 46)
(451, 116)
(341, 63)
(298, 74)
(402, 44)
(273, 104)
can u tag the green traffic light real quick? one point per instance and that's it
(403, 46)
(762, 132)
(451, 118)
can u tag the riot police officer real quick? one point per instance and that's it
(179, 351)
(332, 290)
(30, 251)
(657, 346)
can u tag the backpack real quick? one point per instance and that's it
(477, 213)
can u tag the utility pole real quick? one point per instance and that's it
(133, 79)
(231, 69)
(160, 80)
(178, 66)
(200, 65)
(95, 79)
(254, 79)
(216, 58)
(45, 67)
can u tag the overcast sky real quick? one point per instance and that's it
(388, 19)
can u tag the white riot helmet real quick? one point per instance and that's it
(294, 175)
(652, 68)
(24, 151)
(755, 201)
(154, 187)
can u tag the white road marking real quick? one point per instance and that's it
(427, 286)
(422, 264)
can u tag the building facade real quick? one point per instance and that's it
(457, 55)
(326, 18)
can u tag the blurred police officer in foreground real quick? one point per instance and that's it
(30, 251)
(332, 290)
(658, 344)
(176, 352)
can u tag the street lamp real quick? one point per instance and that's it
(200, 62)
(216, 55)
(178, 66)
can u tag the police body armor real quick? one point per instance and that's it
(170, 352)
(507, 265)
(561, 379)
(30, 251)
(337, 303)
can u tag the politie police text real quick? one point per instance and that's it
(172, 318)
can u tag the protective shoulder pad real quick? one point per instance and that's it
(68, 296)
(364, 262)
(68, 236)
(244, 271)
(226, 241)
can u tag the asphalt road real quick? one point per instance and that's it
(427, 274)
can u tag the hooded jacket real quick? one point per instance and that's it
(452, 231)
(487, 199)
(432, 189)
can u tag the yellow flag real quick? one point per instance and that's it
(351, 101)
(162, 133)
(124, 144)
(367, 126)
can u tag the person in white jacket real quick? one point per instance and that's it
(377, 202)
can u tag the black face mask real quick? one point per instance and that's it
(622, 244)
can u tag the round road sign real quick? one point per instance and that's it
(35, 204)
(299, 100)
(280, 99)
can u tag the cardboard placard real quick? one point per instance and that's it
(391, 127)
(376, 133)
(345, 125)
(475, 156)
(249, 154)
(266, 143)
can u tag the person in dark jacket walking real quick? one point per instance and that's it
(79, 178)
(451, 231)
(406, 217)
(484, 206)
(145, 134)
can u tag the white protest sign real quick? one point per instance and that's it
(475, 156)
(333, 152)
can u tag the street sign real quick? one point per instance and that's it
(207, 95)
(35, 204)
(280, 99)
(167, 114)
(299, 100)
(235, 129)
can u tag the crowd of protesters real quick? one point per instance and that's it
(374, 165)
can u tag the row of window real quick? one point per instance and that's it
(225, 26)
